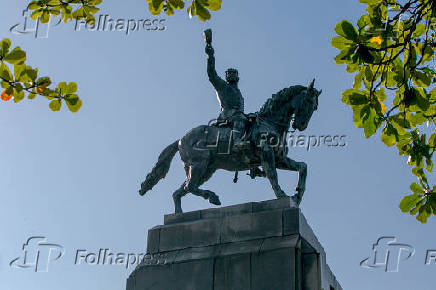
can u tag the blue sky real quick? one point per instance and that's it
(73, 178)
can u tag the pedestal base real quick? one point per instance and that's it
(252, 246)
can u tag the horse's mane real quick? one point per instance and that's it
(278, 100)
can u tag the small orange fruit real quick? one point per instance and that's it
(376, 40)
(41, 88)
(5, 96)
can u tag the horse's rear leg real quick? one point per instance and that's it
(177, 197)
(179, 193)
(199, 173)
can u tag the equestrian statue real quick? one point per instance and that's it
(239, 142)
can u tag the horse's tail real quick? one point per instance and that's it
(160, 169)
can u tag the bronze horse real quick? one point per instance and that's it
(205, 149)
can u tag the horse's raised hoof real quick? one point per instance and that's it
(214, 199)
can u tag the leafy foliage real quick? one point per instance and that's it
(86, 9)
(199, 8)
(67, 9)
(23, 80)
(391, 53)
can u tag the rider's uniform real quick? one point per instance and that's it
(230, 100)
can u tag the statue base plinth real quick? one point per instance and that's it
(252, 246)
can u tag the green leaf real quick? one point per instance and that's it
(71, 88)
(18, 95)
(354, 97)
(5, 45)
(45, 17)
(9, 90)
(55, 105)
(155, 6)
(340, 42)
(43, 80)
(5, 73)
(36, 14)
(32, 73)
(19, 72)
(213, 5)
(345, 55)
(401, 120)
(409, 202)
(357, 118)
(358, 79)
(381, 94)
(16, 56)
(423, 216)
(56, 11)
(389, 135)
(370, 121)
(62, 88)
(95, 2)
(197, 9)
(419, 30)
(370, 2)
(33, 5)
(363, 21)
(73, 103)
(347, 30)
(56, 2)
(418, 172)
(415, 188)
(422, 79)
(432, 140)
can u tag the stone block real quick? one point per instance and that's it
(291, 221)
(228, 211)
(232, 272)
(193, 275)
(272, 270)
(251, 226)
(153, 240)
(291, 241)
(153, 278)
(190, 234)
(311, 272)
(274, 204)
(182, 217)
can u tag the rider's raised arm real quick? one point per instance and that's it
(216, 81)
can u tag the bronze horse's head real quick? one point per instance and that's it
(306, 104)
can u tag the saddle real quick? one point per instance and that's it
(251, 120)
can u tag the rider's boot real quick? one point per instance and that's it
(238, 139)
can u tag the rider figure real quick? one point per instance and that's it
(229, 97)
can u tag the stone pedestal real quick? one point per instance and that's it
(252, 246)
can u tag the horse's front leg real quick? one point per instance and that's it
(268, 164)
(292, 165)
